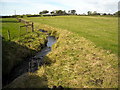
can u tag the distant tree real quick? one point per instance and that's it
(69, 12)
(40, 12)
(64, 12)
(58, 12)
(117, 13)
(104, 14)
(89, 12)
(72, 12)
(44, 12)
(52, 12)
(94, 13)
(110, 14)
(98, 13)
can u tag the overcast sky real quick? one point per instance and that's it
(8, 7)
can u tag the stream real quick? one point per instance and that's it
(32, 64)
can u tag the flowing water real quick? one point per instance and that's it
(32, 64)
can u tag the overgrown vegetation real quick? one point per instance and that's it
(20, 47)
(17, 50)
(74, 62)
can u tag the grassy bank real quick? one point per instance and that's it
(74, 62)
(100, 30)
(19, 48)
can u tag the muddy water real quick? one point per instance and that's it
(32, 64)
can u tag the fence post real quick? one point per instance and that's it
(8, 35)
(26, 29)
(19, 30)
(29, 67)
(32, 27)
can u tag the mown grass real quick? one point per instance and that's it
(103, 31)
(74, 62)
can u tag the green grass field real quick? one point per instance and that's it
(13, 26)
(103, 31)
(74, 62)
(76, 59)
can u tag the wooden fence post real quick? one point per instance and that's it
(26, 29)
(9, 35)
(32, 27)
(19, 30)
(29, 67)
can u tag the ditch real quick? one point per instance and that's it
(31, 64)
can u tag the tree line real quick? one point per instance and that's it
(73, 12)
(59, 12)
(95, 13)
(62, 12)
